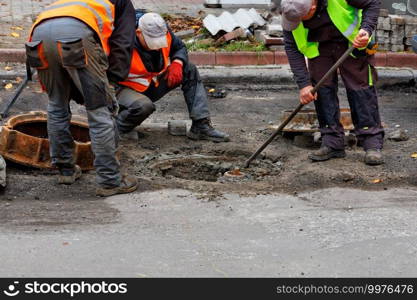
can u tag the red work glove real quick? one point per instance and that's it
(174, 74)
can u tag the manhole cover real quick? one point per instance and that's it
(24, 140)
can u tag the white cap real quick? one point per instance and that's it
(154, 30)
(293, 11)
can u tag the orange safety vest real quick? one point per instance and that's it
(139, 78)
(98, 14)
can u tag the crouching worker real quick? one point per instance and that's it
(71, 45)
(159, 65)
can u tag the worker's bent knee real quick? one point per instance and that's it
(142, 107)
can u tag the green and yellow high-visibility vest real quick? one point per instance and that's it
(346, 18)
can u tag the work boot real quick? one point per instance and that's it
(373, 157)
(326, 153)
(129, 184)
(69, 176)
(203, 130)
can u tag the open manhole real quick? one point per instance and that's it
(306, 120)
(213, 168)
(24, 140)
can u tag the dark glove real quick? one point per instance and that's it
(174, 74)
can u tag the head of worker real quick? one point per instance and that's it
(152, 31)
(295, 11)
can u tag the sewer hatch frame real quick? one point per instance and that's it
(33, 151)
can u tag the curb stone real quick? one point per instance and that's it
(239, 58)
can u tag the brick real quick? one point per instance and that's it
(383, 12)
(396, 39)
(245, 58)
(384, 24)
(281, 58)
(397, 48)
(274, 30)
(410, 30)
(397, 20)
(233, 35)
(410, 20)
(202, 58)
(271, 40)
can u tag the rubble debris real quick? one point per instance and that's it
(233, 35)
(304, 140)
(347, 176)
(182, 23)
(2, 172)
(216, 92)
(129, 136)
(177, 127)
(183, 34)
(228, 22)
(399, 135)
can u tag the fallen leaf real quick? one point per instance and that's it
(7, 68)
(212, 90)
(377, 181)
(414, 155)
(8, 86)
(15, 34)
(19, 79)
(65, 243)
(16, 28)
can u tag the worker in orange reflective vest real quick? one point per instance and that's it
(160, 64)
(81, 49)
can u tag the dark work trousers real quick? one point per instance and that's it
(135, 108)
(71, 73)
(361, 94)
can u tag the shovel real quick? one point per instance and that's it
(300, 106)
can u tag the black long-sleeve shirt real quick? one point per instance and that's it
(122, 40)
(322, 29)
(153, 59)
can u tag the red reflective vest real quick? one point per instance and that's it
(139, 78)
(97, 14)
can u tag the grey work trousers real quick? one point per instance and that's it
(361, 94)
(79, 74)
(134, 108)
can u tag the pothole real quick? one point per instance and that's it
(212, 168)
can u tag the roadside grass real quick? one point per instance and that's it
(232, 46)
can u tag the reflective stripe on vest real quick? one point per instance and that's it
(97, 14)
(139, 78)
(346, 18)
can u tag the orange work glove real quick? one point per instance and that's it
(174, 74)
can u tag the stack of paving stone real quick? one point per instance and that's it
(394, 32)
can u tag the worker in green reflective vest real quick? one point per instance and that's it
(322, 30)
